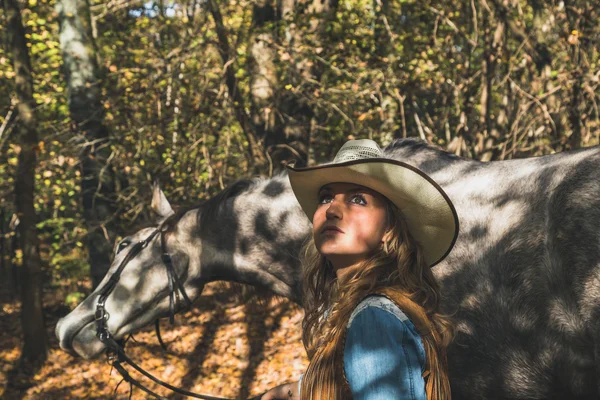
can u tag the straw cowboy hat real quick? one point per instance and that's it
(429, 213)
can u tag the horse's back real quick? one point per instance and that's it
(527, 288)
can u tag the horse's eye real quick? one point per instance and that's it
(122, 245)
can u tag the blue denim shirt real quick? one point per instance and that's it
(384, 357)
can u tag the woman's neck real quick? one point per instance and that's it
(342, 269)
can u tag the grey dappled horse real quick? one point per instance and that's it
(523, 280)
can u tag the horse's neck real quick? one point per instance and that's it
(256, 239)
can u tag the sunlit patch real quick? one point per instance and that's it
(590, 298)
(523, 320)
(471, 302)
(255, 349)
(129, 281)
(519, 376)
(465, 327)
(564, 317)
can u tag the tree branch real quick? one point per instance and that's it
(255, 152)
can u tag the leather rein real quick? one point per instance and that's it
(116, 348)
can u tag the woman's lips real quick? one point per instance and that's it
(331, 229)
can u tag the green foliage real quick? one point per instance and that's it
(74, 298)
(489, 80)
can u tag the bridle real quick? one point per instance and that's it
(116, 349)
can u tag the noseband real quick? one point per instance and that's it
(116, 348)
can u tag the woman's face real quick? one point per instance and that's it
(349, 224)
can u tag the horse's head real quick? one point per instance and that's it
(141, 293)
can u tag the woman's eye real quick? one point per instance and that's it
(358, 199)
(324, 199)
(122, 245)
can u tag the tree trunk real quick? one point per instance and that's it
(255, 149)
(281, 119)
(488, 137)
(263, 77)
(35, 343)
(578, 41)
(97, 176)
(298, 120)
(383, 33)
(6, 268)
(4, 262)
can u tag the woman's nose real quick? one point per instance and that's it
(334, 210)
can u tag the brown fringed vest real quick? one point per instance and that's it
(325, 378)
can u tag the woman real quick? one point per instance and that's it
(372, 327)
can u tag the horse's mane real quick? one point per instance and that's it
(209, 210)
(413, 143)
(213, 206)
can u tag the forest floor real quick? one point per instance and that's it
(223, 346)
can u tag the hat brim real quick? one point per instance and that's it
(427, 209)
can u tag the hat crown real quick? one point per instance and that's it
(358, 150)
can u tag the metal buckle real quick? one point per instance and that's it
(101, 300)
(101, 314)
(111, 356)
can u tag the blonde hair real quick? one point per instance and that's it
(397, 270)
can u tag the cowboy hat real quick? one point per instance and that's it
(428, 211)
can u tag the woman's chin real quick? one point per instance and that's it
(332, 248)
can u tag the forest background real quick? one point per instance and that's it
(103, 97)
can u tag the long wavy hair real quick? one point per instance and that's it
(398, 270)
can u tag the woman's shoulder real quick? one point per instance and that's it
(377, 318)
(378, 302)
(383, 355)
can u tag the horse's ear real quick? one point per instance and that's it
(160, 204)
